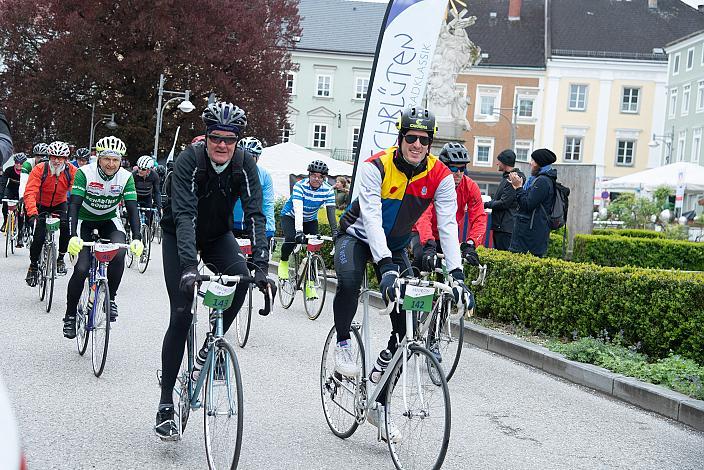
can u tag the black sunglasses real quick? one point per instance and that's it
(218, 139)
(455, 169)
(410, 139)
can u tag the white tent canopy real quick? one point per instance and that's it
(288, 158)
(669, 175)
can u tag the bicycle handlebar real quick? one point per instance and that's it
(10, 201)
(480, 279)
(420, 283)
(227, 279)
(319, 237)
(106, 242)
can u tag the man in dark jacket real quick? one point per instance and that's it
(531, 229)
(503, 205)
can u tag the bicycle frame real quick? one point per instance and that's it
(305, 260)
(97, 272)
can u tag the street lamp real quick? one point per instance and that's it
(111, 124)
(185, 106)
(512, 122)
(666, 139)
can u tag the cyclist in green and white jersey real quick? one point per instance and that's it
(97, 190)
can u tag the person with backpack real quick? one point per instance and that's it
(532, 224)
(503, 205)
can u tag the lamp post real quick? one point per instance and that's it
(111, 124)
(512, 122)
(186, 106)
(666, 139)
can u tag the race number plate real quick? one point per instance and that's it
(419, 299)
(218, 296)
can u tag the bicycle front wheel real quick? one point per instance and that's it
(82, 313)
(341, 394)
(101, 327)
(143, 261)
(50, 276)
(315, 287)
(43, 260)
(243, 319)
(8, 238)
(418, 410)
(222, 408)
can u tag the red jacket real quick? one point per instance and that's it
(53, 191)
(469, 201)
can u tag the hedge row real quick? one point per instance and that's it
(614, 250)
(659, 311)
(629, 232)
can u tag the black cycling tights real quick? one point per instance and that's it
(109, 231)
(288, 226)
(224, 254)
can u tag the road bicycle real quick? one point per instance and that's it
(217, 387)
(155, 226)
(93, 312)
(443, 331)
(11, 232)
(306, 273)
(47, 260)
(417, 399)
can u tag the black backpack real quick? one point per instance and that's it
(561, 202)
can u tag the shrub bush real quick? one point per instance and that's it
(629, 232)
(663, 311)
(614, 250)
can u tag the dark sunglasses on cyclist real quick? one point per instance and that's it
(410, 139)
(227, 140)
(455, 169)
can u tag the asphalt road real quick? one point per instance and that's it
(505, 415)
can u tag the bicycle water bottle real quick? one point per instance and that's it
(382, 362)
(91, 296)
(200, 360)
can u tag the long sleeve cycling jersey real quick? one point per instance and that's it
(267, 205)
(148, 188)
(470, 216)
(10, 183)
(45, 189)
(392, 196)
(305, 202)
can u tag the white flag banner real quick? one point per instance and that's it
(171, 156)
(400, 72)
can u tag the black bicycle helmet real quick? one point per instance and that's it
(416, 119)
(82, 154)
(454, 153)
(318, 166)
(225, 117)
(20, 157)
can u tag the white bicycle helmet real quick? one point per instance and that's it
(251, 145)
(110, 146)
(145, 162)
(40, 149)
(224, 116)
(58, 149)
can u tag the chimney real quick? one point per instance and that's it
(514, 10)
(653, 4)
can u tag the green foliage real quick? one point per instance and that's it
(676, 232)
(634, 211)
(663, 311)
(628, 232)
(661, 196)
(614, 250)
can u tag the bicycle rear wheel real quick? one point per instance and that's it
(419, 409)
(340, 394)
(82, 312)
(101, 327)
(222, 408)
(314, 287)
(243, 319)
(50, 276)
(143, 261)
(445, 339)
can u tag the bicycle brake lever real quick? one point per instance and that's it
(267, 302)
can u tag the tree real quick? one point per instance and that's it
(62, 56)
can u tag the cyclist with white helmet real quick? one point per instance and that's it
(39, 155)
(147, 184)
(206, 181)
(299, 216)
(254, 147)
(82, 157)
(46, 193)
(97, 190)
(10, 189)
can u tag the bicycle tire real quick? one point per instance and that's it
(143, 260)
(342, 418)
(8, 239)
(51, 276)
(242, 325)
(417, 448)
(449, 337)
(101, 322)
(42, 268)
(82, 313)
(220, 412)
(314, 306)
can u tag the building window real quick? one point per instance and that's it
(578, 97)
(573, 149)
(285, 135)
(488, 99)
(355, 137)
(676, 64)
(629, 100)
(700, 96)
(320, 136)
(690, 58)
(323, 86)
(523, 150)
(625, 152)
(673, 103)
(483, 149)
(360, 88)
(685, 100)
(291, 83)
(696, 144)
(680, 145)
(525, 107)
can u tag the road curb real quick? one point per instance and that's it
(661, 400)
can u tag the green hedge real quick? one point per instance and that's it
(660, 311)
(614, 250)
(629, 232)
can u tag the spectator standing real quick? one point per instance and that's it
(504, 205)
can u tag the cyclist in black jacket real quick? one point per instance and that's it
(207, 179)
(147, 184)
